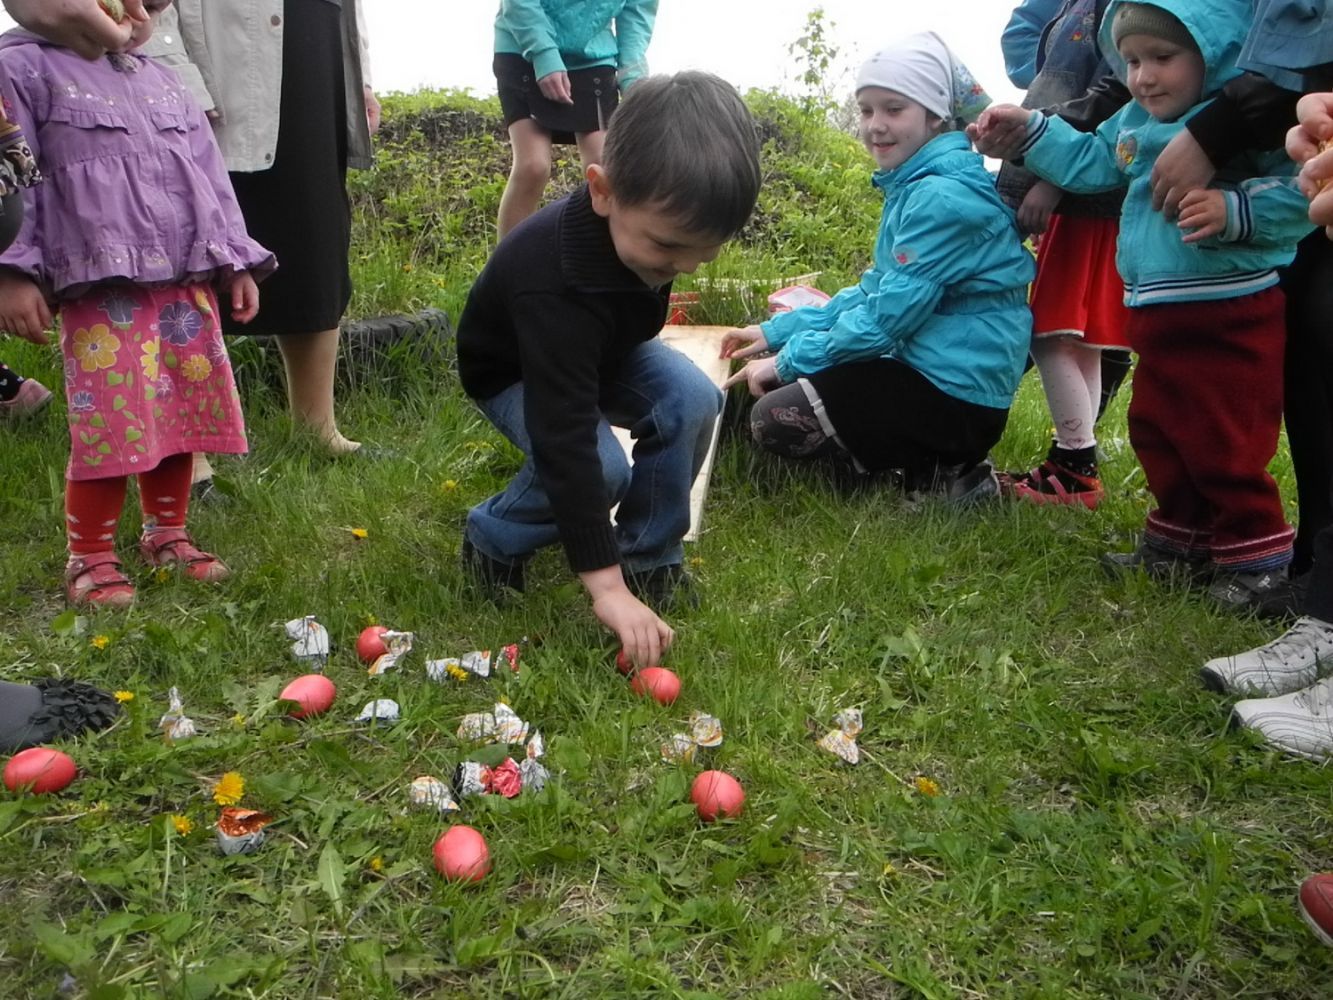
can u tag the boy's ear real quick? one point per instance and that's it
(599, 188)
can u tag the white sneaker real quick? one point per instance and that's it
(1290, 662)
(1300, 723)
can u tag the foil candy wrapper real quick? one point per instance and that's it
(478, 663)
(241, 831)
(501, 725)
(398, 644)
(507, 778)
(310, 641)
(431, 791)
(383, 710)
(534, 775)
(175, 724)
(705, 731)
(842, 741)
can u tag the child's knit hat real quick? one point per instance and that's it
(1149, 19)
(921, 67)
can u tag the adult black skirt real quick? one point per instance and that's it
(594, 91)
(298, 208)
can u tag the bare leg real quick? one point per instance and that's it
(531, 170)
(311, 360)
(202, 468)
(590, 147)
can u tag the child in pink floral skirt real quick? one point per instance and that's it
(132, 229)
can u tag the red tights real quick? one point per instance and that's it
(92, 506)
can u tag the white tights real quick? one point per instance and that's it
(1071, 374)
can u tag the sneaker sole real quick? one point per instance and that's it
(1026, 493)
(1236, 722)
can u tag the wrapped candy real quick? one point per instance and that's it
(175, 724)
(398, 644)
(383, 710)
(530, 768)
(241, 831)
(842, 741)
(428, 791)
(705, 731)
(310, 641)
(499, 726)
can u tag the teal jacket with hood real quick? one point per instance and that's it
(947, 293)
(1266, 213)
(559, 35)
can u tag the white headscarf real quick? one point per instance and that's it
(921, 67)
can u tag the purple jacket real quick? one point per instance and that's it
(135, 188)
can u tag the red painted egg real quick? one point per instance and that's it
(716, 793)
(370, 643)
(313, 694)
(39, 770)
(461, 855)
(659, 682)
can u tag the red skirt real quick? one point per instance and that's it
(1078, 291)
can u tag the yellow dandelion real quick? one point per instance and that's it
(449, 485)
(456, 672)
(889, 870)
(238, 720)
(182, 824)
(124, 696)
(162, 574)
(197, 368)
(926, 786)
(377, 864)
(407, 268)
(99, 642)
(359, 533)
(696, 561)
(229, 789)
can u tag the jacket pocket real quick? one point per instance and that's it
(89, 115)
(171, 120)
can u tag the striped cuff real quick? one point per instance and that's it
(1037, 125)
(1240, 218)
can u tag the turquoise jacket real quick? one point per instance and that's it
(556, 35)
(947, 293)
(1266, 214)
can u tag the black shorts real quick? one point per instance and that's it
(594, 90)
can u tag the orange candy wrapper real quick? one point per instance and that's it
(241, 831)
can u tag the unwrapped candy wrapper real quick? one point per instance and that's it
(398, 644)
(705, 731)
(430, 791)
(241, 831)
(477, 663)
(507, 778)
(795, 297)
(499, 726)
(175, 724)
(383, 710)
(842, 741)
(310, 641)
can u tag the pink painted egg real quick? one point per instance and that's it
(39, 770)
(657, 682)
(716, 793)
(313, 694)
(370, 643)
(461, 855)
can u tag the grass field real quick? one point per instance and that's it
(1048, 803)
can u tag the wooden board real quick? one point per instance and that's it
(700, 344)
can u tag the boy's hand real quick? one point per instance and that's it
(555, 87)
(643, 635)
(1182, 167)
(1000, 130)
(1203, 211)
(760, 376)
(743, 343)
(244, 295)
(1034, 214)
(23, 308)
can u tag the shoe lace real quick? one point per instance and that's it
(1298, 638)
(1318, 697)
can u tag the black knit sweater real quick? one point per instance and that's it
(556, 309)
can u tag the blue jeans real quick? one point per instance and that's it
(670, 408)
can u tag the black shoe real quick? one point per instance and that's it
(663, 588)
(1163, 566)
(1285, 602)
(51, 709)
(1245, 591)
(491, 576)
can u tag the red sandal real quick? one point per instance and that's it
(173, 547)
(96, 581)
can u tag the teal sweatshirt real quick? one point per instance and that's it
(558, 35)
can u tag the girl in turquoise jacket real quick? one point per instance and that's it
(914, 367)
(560, 66)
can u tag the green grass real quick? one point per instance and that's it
(1098, 831)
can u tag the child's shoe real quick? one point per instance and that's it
(1290, 662)
(1300, 723)
(663, 588)
(30, 399)
(1315, 901)
(491, 576)
(96, 581)
(1245, 591)
(1052, 483)
(173, 547)
(1158, 564)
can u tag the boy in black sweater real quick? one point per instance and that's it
(558, 342)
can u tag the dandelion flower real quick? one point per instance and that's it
(377, 864)
(449, 485)
(123, 696)
(456, 672)
(926, 786)
(162, 574)
(182, 824)
(99, 642)
(238, 720)
(229, 789)
(359, 533)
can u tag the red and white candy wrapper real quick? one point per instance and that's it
(499, 726)
(430, 792)
(507, 778)
(842, 741)
(382, 710)
(508, 656)
(398, 644)
(310, 641)
(795, 297)
(705, 731)
(241, 831)
(175, 724)
(460, 668)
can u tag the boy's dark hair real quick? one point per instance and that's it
(687, 144)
